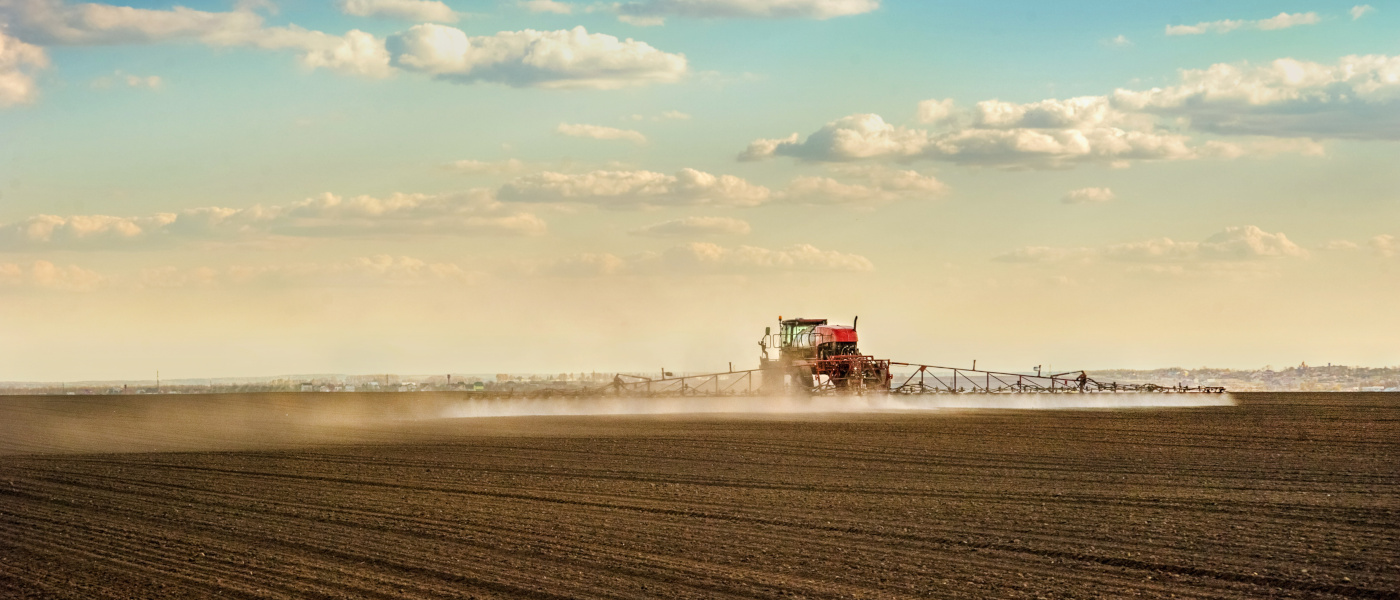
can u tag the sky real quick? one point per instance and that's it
(261, 187)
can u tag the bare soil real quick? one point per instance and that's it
(1281, 496)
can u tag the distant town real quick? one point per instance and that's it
(1302, 378)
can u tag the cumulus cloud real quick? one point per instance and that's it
(1279, 21)
(599, 132)
(408, 10)
(756, 9)
(571, 58)
(561, 59)
(866, 185)
(699, 258)
(1338, 245)
(53, 22)
(1361, 10)
(46, 275)
(1234, 244)
(473, 213)
(935, 111)
(56, 23)
(1052, 133)
(635, 189)
(547, 6)
(378, 270)
(862, 186)
(18, 64)
(1358, 97)
(695, 226)
(1386, 245)
(1088, 195)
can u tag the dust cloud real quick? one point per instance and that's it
(112, 424)
(821, 404)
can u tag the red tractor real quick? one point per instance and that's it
(815, 356)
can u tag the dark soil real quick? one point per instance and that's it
(1282, 496)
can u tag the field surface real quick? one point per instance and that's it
(1279, 496)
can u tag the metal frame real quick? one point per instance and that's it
(708, 384)
(933, 379)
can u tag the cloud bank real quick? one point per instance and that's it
(1357, 98)
(1233, 244)
(472, 213)
(570, 58)
(42, 274)
(864, 186)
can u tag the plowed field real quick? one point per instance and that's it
(1281, 496)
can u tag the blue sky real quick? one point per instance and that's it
(253, 188)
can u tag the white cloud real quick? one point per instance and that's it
(999, 133)
(635, 188)
(18, 63)
(700, 258)
(1358, 97)
(877, 185)
(355, 53)
(46, 275)
(1279, 21)
(866, 185)
(408, 10)
(1361, 10)
(52, 22)
(570, 58)
(935, 111)
(765, 9)
(1286, 20)
(1386, 245)
(1338, 245)
(470, 213)
(1089, 195)
(599, 132)
(1234, 244)
(547, 6)
(1120, 41)
(695, 226)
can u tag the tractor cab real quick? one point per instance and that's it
(807, 339)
